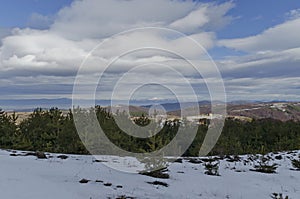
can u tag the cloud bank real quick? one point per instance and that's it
(47, 54)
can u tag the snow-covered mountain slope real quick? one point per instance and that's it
(31, 178)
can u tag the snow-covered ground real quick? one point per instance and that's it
(31, 178)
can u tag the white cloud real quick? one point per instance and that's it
(275, 60)
(33, 59)
(281, 37)
(263, 88)
(293, 14)
(68, 36)
(4, 32)
(34, 52)
(218, 15)
(270, 69)
(108, 17)
(98, 19)
(28, 60)
(38, 21)
(192, 21)
(273, 53)
(79, 27)
(207, 16)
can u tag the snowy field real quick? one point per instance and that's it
(27, 177)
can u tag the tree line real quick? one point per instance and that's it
(55, 131)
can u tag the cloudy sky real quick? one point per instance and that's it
(255, 45)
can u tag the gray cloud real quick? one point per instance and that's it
(38, 21)
(55, 46)
(43, 59)
(270, 69)
(272, 64)
(112, 16)
(4, 32)
(273, 88)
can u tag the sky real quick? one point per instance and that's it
(254, 44)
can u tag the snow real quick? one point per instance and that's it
(32, 178)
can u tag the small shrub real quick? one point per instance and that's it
(179, 160)
(41, 155)
(160, 173)
(159, 183)
(63, 157)
(108, 184)
(84, 181)
(296, 164)
(265, 167)
(278, 196)
(125, 197)
(195, 161)
(235, 158)
(211, 168)
(278, 157)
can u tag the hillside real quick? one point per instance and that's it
(57, 177)
(277, 110)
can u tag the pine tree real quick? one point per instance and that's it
(211, 167)
(264, 166)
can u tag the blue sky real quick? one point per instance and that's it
(252, 17)
(17, 13)
(254, 43)
(255, 16)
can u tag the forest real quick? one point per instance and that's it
(54, 131)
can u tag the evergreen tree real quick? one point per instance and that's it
(211, 167)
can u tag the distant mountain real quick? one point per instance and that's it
(280, 110)
(177, 106)
(283, 111)
(277, 110)
(66, 103)
(31, 104)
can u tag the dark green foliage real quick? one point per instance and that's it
(43, 130)
(296, 164)
(54, 131)
(264, 166)
(8, 129)
(258, 136)
(211, 167)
